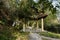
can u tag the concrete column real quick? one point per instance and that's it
(33, 24)
(37, 25)
(42, 25)
(28, 23)
(24, 27)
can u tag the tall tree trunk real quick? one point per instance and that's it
(42, 25)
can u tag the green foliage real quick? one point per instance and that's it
(6, 33)
(53, 28)
(22, 9)
(50, 34)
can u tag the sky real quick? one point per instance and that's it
(36, 0)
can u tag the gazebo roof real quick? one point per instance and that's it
(37, 17)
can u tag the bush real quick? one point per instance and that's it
(6, 33)
(53, 28)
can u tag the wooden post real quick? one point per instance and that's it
(42, 25)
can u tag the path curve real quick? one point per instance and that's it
(42, 37)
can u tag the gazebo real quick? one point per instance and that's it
(41, 16)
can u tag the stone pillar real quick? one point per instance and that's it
(42, 25)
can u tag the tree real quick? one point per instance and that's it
(20, 9)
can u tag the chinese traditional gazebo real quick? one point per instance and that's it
(41, 16)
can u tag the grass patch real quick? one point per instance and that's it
(21, 35)
(50, 34)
